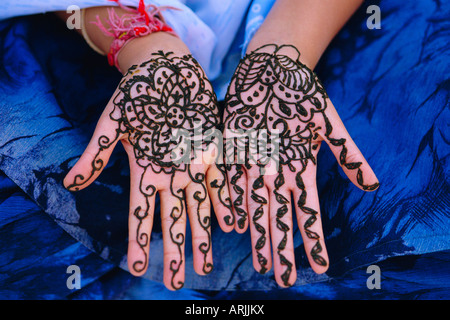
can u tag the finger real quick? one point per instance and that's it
(281, 233)
(173, 221)
(258, 209)
(199, 212)
(347, 153)
(237, 182)
(220, 196)
(140, 221)
(96, 155)
(309, 220)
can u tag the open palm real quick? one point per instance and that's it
(278, 99)
(164, 112)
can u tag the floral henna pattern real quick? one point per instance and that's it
(167, 111)
(273, 91)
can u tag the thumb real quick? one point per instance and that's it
(96, 155)
(347, 153)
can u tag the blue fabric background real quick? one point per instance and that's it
(391, 87)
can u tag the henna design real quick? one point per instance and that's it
(143, 238)
(229, 219)
(281, 212)
(317, 248)
(237, 203)
(178, 239)
(156, 98)
(272, 90)
(259, 212)
(205, 222)
(104, 142)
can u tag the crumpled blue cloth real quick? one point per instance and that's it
(390, 87)
(36, 253)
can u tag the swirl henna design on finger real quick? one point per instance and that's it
(258, 214)
(281, 212)
(204, 222)
(142, 237)
(167, 110)
(237, 203)
(104, 143)
(177, 238)
(220, 186)
(317, 248)
(273, 91)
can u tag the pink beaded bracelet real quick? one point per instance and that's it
(140, 22)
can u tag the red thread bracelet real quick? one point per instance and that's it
(138, 23)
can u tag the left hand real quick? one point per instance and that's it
(274, 95)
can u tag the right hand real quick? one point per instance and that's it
(168, 92)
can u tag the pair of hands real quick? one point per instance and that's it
(165, 114)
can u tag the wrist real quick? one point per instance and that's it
(124, 48)
(309, 25)
(140, 49)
